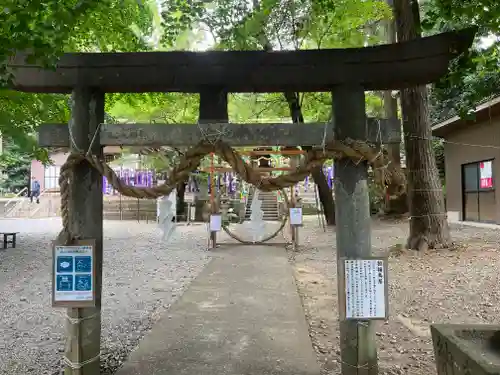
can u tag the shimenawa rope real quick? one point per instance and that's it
(355, 150)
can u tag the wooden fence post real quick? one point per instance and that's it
(357, 338)
(86, 216)
(213, 109)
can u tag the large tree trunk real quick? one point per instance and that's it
(428, 222)
(395, 203)
(324, 191)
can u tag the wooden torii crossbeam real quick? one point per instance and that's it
(237, 135)
(382, 67)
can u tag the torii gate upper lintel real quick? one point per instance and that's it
(382, 67)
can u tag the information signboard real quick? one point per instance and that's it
(73, 282)
(365, 288)
(296, 216)
(215, 224)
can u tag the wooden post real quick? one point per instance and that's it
(213, 109)
(294, 162)
(86, 216)
(213, 209)
(357, 338)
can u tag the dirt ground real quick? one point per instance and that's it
(446, 286)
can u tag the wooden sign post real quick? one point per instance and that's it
(214, 226)
(213, 109)
(295, 223)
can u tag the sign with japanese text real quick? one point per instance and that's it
(296, 216)
(485, 175)
(74, 275)
(365, 287)
(215, 224)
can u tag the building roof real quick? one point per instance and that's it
(484, 111)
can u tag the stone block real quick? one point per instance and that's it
(464, 349)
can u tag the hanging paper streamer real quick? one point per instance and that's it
(167, 206)
(150, 178)
(131, 177)
(234, 183)
(126, 176)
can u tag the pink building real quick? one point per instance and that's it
(48, 176)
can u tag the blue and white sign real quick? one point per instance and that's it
(73, 273)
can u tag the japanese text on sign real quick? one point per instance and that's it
(365, 289)
(73, 274)
(485, 175)
(296, 216)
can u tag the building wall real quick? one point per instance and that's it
(470, 145)
(38, 170)
(59, 158)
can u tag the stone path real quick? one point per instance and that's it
(242, 315)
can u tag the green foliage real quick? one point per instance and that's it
(438, 147)
(46, 29)
(474, 76)
(15, 166)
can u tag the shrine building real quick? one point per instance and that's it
(472, 163)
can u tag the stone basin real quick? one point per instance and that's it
(466, 349)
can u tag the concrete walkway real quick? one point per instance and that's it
(241, 316)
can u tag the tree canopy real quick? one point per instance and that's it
(477, 75)
(47, 28)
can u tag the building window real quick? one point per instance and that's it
(51, 177)
(478, 190)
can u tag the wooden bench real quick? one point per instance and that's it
(9, 238)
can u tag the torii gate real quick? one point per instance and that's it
(347, 73)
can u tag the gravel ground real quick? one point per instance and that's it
(447, 286)
(142, 277)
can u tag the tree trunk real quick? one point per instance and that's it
(324, 191)
(325, 195)
(395, 203)
(428, 222)
(181, 194)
